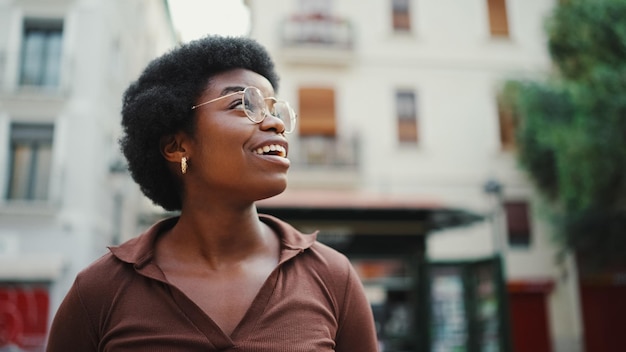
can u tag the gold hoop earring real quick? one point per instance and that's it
(183, 165)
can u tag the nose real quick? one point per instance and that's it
(271, 122)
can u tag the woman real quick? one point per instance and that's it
(204, 135)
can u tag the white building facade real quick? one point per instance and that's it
(64, 65)
(397, 99)
(401, 98)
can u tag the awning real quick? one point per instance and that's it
(369, 212)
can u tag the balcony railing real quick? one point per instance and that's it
(317, 39)
(317, 30)
(315, 152)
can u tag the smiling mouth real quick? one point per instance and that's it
(272, 149)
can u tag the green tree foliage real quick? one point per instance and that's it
(571, 128)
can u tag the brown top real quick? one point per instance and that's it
(312, 301)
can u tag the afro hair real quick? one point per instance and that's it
(158, 104)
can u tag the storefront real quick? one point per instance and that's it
(26, 285)
(24, 313)
(417, 305)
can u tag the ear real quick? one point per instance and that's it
(172, 147)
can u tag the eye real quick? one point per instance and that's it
(237, 104)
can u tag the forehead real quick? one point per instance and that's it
(237, 78)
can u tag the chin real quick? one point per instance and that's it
(273, 190)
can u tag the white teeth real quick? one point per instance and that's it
(272, 148)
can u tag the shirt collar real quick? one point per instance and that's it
(140, 250)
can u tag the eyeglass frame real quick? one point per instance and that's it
(293, 116)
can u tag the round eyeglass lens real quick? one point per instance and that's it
(283, 111)
(254, 104)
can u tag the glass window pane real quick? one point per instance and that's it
(31, 160)
(488, 307)
(32, 67)
(518, 223)
(22, 156)
(401, 17)
(406, 105)
(41, 172)
(52, 64)
(41, 52)
(389, 285)
(450, 330)
(406, 110)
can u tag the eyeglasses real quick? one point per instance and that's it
(257, 108)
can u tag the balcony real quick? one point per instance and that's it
(317, 39)
(324, 161)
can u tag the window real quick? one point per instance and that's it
(317, 112)
(518, 223)
(317, 127)
(498, 22)
(506, 121)
(406, 110)
(41, 53)
(30, 161)
(401, 16)
(317, 7)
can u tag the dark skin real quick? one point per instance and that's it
(219, 253)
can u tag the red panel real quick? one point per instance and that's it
(23, 316)
(529, 321)
(544, 286)
(604, 317)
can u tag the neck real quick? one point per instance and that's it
(219, 236)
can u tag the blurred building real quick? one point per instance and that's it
(402, 156)
(399, 109)
(63, 67)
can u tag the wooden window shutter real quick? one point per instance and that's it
(498, 21)
(506, 122)
(316, 112)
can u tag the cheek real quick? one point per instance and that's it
(223, 145)
(222, 137)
